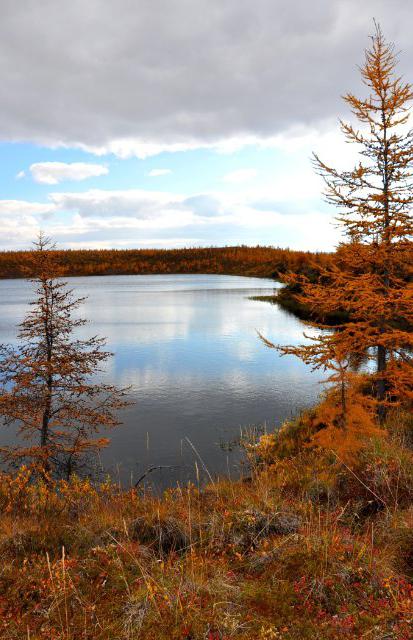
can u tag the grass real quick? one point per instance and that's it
(301, 550)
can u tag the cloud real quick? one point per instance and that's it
(20, 222)
(204, 205)
(137, 82)
(15, 208)
(139, 218)
(154, 173)
(136, 147)
(151, 208)
(133, 203)
(240, 176)
(55, 172)
(20, 175)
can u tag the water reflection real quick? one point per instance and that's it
(187, 345)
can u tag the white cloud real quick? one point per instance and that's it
(154, 173)
(154, 241)
(292, 138)
(240, 176)
(137, 147)
(20, 175)
(135, 217)
(10, 209)
(20, 222)
(55, 172)
(120, 213)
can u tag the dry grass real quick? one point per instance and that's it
(296, 553)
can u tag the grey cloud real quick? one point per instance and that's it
(143, 205)
(91, 72)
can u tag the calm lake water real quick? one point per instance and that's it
(188, 347)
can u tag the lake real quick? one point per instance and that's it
(188, 347)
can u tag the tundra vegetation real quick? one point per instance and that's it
(316, 540)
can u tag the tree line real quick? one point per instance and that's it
(242, 260)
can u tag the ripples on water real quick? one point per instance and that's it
(187, 345)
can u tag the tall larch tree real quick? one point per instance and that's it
(371, 277)
(47, 389)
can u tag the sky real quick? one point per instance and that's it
(159, 123)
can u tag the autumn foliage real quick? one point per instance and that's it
(244, 261)
(370, 279)
(46, 387)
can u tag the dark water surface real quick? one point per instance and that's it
(187, 344)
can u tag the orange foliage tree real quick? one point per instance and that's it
(371, 276)
(243, 260)
(46, 388)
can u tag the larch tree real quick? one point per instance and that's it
(47, 390)
(371, 277)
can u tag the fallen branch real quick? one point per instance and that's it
(154, 468)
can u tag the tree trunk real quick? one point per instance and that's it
(381, 383)
(381, 351)
(45, 421)
(343, 405)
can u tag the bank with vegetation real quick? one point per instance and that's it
(315, 543)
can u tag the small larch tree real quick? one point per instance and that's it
(47, 388)
(371, 276)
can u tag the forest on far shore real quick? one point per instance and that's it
(270, 262)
